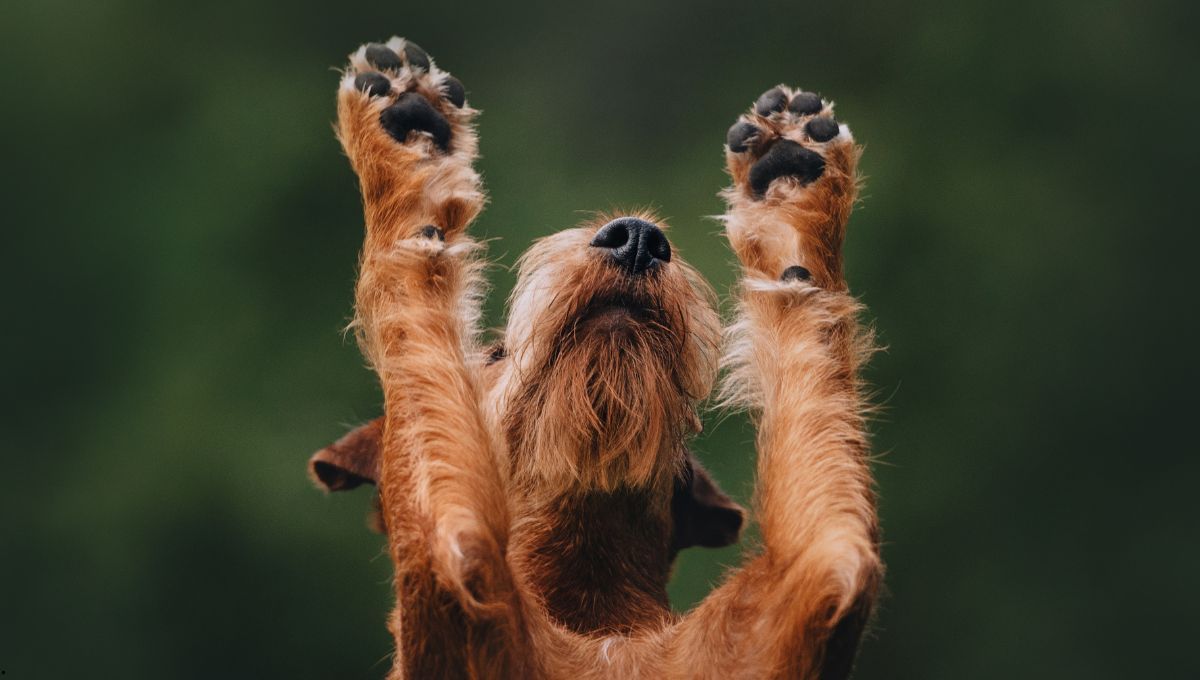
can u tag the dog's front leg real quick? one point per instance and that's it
(797, 609)
(407, 131)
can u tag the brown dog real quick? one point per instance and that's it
(534, 494)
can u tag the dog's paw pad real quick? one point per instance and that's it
(431, 232)
(771, 101)
(740, 136)
(822, 129)
(373, 83)
(382, 57)
(785, 159)
(411, 112)
(407, 95)
(795, 273)
(806, 104)
(454, 91)
(783, 136)
(416, 56)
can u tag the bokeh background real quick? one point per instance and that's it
(182, 230)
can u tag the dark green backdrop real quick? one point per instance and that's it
(180, 234)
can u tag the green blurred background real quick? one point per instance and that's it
(182, 232)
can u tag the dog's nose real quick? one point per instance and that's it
(636, 245)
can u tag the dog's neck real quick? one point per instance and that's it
(600, 560)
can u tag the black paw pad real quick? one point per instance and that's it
(795, 273)
(806, 103)
(496, 354)
(738, 137)
(429, 231)
(770, 101)
(454, 91)
(785, 159)
(382, 57)
(374, 84)
(822, 129)
(417, 57)
(412, 112)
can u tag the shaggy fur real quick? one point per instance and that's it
(534, 494)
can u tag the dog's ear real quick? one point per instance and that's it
(349, 462)
(704, 515)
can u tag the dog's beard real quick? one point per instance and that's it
(609, 407)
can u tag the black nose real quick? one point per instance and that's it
(636, 245)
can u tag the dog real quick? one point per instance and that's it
(535, 492)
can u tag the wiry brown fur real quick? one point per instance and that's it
(573, 357)
(527, 503)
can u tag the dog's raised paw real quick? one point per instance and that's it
(785, 136)
(415, 100)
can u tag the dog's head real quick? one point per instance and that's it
(611, 341)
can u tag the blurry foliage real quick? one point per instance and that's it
(182, 234)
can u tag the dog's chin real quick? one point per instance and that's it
(620, 310)
(612, 408)
(613, 317)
